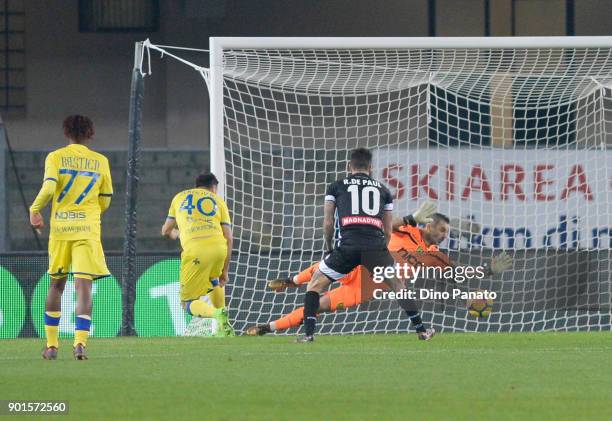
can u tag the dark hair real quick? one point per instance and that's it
(437, 217)
(206, 180)
(361, 158)
(78, 128)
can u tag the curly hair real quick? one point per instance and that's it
(78, 128)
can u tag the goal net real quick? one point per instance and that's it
(513, 140)
(512, 144)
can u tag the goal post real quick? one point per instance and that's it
(215, 92)
(509, 135)
(380, 43)
(437, 112)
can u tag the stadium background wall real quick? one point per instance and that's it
(583, 285)
(176, 105)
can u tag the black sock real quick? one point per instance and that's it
(311, 306)
(409, 306)
(417, 323)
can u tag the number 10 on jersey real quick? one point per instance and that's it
(369, 202)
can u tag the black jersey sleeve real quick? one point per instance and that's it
(332, 192)
(387, 199)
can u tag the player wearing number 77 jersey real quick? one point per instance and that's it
(78, 181)
(204, 229)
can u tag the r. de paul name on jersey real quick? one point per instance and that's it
(362, 182)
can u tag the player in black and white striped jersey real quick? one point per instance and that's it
(363, 207)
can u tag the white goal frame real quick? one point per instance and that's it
(219, 44)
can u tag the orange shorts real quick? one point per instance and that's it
(357, 287)
(345, 296)
(353, 291)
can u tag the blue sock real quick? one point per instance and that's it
(83, 323)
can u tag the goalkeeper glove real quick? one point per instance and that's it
(422, 215)
(500, 263)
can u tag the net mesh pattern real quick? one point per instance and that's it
(514, 141)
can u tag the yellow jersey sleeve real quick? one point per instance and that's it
(106, 187)
(224, 213)
(51, 168)
(172, 210)
(49, 184)
(44, 196)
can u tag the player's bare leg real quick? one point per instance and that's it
(294, 319)
(53, 308)
(316, 286)
(54, 295)
(84, 305)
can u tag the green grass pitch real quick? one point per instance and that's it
(479, 376)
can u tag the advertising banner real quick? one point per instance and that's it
(520, 199)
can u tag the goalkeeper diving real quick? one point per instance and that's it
(406, 236)
(200, 219)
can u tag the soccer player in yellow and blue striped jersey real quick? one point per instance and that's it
(204, 229)
(78, 182)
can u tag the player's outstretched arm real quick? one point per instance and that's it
(421, 216)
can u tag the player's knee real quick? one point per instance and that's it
(394, 284)
(58, 284)
(318, 283)
(83, 284)
(325, 304)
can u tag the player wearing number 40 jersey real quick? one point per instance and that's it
(364, 208)
(78, 182)
(204, 229)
